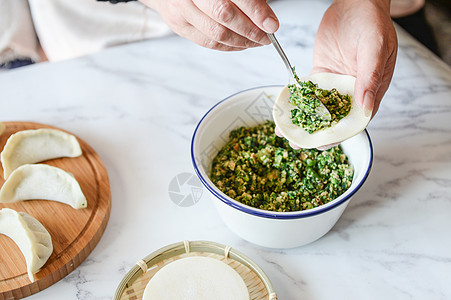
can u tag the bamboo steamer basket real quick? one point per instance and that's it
(133, 284)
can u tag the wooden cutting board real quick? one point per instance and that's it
(74, 233)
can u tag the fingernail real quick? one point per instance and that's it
(252, 45)
(327, 147)
(270, 24)
(295, 147)
(265, 40)
(368, 103)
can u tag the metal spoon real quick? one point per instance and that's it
(321, 111)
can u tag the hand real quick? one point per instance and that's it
(227, 25)
(357, 37)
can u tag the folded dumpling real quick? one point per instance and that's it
(36, 145)
(41, 181)
(30, 236)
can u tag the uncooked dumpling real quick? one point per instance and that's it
(45, 182)
(351, 125)
(30, 236)
(196, 278)
(32, 146)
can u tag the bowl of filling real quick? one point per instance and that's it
(265, 191)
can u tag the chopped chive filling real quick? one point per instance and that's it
(307, 98)
(261, 170)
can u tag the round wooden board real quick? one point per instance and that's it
(74, 233)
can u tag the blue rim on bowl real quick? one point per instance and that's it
(265, 213)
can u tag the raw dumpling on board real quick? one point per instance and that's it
(30, 236)
(354, 123)
(41, 181)
(196, 278)
(36, 145)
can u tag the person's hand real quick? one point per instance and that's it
(226, 25)
(357, 37)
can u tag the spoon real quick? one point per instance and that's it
(321, 111)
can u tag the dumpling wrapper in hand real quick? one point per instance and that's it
(351, 125)
(30, 236)
(196, 278)
(36, 145)
(40, 181)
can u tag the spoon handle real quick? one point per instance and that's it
(321, 110)
(282, 54)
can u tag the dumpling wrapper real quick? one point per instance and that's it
(40, 181)
(351, 125)
(33, 240)
(196, 278)
(2, 128)
(36, 145)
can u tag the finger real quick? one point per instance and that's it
(295, 147)
(199, 38)
(371, 60)
(277, 132)
(388, 74)
(260, 14)
(216, 31)
(378, 98)
(228, 14)
(327, 147)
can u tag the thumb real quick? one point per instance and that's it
(370, 72)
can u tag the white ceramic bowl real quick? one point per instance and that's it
(266, 228)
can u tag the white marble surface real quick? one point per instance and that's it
(137, 106)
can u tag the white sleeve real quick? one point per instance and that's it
(68, 29)
(17, 36)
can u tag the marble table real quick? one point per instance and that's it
(138, 105)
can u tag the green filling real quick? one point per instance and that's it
(261, 170)
(307, 97)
